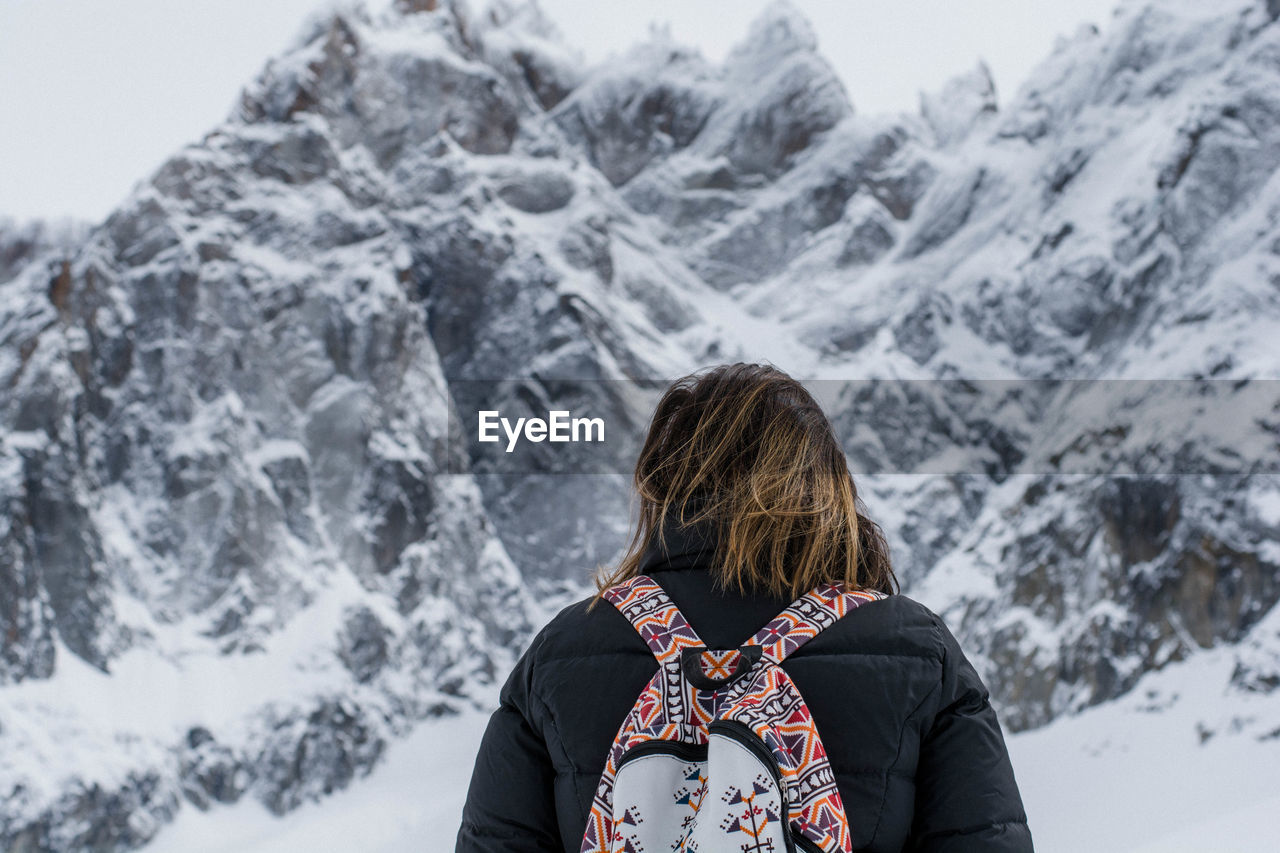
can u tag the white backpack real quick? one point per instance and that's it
(719, 752)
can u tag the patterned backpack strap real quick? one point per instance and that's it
(807, 617)
(658, 621)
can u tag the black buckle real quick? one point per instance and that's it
(690, 662)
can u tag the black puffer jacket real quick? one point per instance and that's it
(916, 748)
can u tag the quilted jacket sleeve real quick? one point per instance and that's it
(509, 806)
(966, 795)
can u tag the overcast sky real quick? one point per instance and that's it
(94, 94)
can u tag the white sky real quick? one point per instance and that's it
(94, 94)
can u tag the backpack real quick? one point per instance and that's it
(719, 752)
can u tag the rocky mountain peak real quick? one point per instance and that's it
(778, 30)
(961, 102)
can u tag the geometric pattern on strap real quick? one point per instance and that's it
(771, 706)
(806, 618)
(657, 620)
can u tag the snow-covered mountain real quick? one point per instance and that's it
(244, 550)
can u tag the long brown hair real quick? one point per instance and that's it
(746, 449)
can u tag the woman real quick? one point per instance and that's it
(746, 503)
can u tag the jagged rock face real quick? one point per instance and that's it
(1125, 576)
(231, 410)
(1069, 572)
(22, 243)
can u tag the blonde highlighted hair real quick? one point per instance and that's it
(746, 449)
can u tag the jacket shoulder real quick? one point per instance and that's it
(896, 625)
(582, 630)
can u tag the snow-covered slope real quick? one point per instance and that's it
(1177, 766)
(244, 551)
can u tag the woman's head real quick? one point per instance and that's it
(746, 449)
